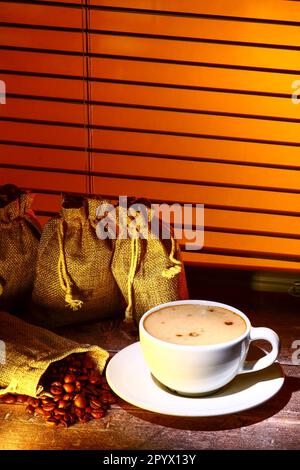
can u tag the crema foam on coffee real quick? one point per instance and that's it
(195, 324)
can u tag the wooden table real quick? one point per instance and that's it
(272, 425)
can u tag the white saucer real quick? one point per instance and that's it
(129, 377)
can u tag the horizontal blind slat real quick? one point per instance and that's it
(43, 157)
(185, 123)
(191, 147)
(48, 87)
(196, 100)
(245, 56)
(47, 203)
(39, 62)
(43, 180)
(183, 171)
(41, 39)
(227, 261)
(43, 110)
(225, 197)
(266, 10)
(247, 243)
(251, 221)
(43, 134)
(47, 15)
(223, 30)
(192, 76)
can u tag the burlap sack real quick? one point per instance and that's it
(19, 239)
(74, 282)
(26, 351)
(149, 271)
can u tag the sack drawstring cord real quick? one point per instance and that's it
(64, 279)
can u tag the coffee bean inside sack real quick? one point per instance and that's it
(74, 391)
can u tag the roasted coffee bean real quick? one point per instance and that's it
(76, 370)
(63, 423)
(82, 378)
(22, 399)
(52, 422)
(57, 383)
(70, 418)
(103, 396)
(56, 390)
(30, 409)
(94, 378)
(68, 397)
(78, 386)
(84, 419)
(33, 402)
(80, 401)
(107, 397)
(97, 414)
(69, 388)
(47, 414)
(112, 399)
(95, 403)
(60, 412)
(49, 407)
(79, 412)
(70, 378)
(46, 400)
(92, 389)
(8, 399)
(73, 391)
(63, 404)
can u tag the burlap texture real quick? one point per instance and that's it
(27, 351)
(19, 239)
(87, 261)
(155, 277)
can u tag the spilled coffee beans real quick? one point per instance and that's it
(74, 391)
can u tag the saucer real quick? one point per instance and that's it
(129, 377)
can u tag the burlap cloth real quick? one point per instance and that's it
(19, 239)
(149, 271)
(26, 351)
(74, 282)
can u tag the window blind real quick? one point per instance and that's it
(185, 102)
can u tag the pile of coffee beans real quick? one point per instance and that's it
(73, 391)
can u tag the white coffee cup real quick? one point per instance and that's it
(201, 369)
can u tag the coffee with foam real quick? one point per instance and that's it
(195, 324)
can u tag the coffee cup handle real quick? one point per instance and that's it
(268, 335)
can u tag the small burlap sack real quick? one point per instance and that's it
(74, 282)
(19, 239)
(148, 270)
(26, 351)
